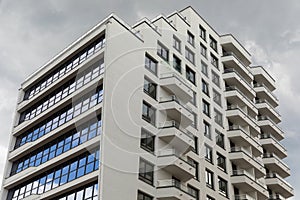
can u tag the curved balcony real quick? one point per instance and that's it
(172, 190)
(181, 140)
(170, 161)
(279, 185)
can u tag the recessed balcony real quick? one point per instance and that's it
(171, 133)
(170, 161)
(275, 164)
(279, 185)
(272, 145)
(241, 179)
(177, 85)
(233, 78)
(173, 190)
(240, 137)
(243, 159)
(268, 126)
(262, 92)
(266, 109)
(176, 110)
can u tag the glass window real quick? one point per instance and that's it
(176, 43)
(218, 117)
(147, 141)
(176, 63)
(195, 148)
(209, 178)
(189, 55)
(204, 68)
(146, 170)
(215, 78)
(221, 161)
(217, 97)
(163, 51)
(207, 129)
(205, 88)
(143, 196)
(202, 32)
(214, 61)
(193, 191)
(150, 88)
(213, 44)
(222, 186)
(206, 108)
(203, 50)
(208, 153)
(151, 64)
(148, 113)
(190, 38)
(196, 165)
(220, 139)
(190, 75)
(209, 198)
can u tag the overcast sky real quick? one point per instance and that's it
(33, 31)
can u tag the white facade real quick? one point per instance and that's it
(166, 109)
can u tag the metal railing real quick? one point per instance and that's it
(232, 88)
(231, 70)
(238, 127)
(274, 175)
(272, 155)
(174, 183)
(173, 98)
(175, 124)
(173, 152)
(243, 197)
(264, 86)
(173, 74)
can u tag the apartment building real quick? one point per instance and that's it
(165, 109)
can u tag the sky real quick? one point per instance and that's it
(32, 32)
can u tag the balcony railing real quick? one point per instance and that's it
(232, 88)
(229, 53)
(237, 127)
(242, 172)
(240, 149)
(269, 136)
(272, 155)
(243, 197)
(174, 183)
(173, 98)
(235, 107)
(274, 175)
(173, 152)
(258, 101)
(179, 78)
(262, 118)
(263, 85)
(231, 70)
(175, 124)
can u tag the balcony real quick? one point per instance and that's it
(266, 109)
(268, 126)
(241, 179)
(172, 190)
(241, 138)
(279, 185)
(181, 140)
(262, 92)
(276, 197)
(262, 76)
(243, 159)
(177, 85)
(275, 164)
(238, 116)
(229, 59)
(272, 145)
(234, 96)
(233, 78)
(176, 110)
(170, 161)
(243, 197)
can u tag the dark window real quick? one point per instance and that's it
(223, 186)
(220, 139)
(162, 51)
(218, 117)
(214, 61)
(143, 196)
(195, 149)
(147, 141)
(221, 161)
(204, 68)
(217, 97)
(209, 198)
(146, 170)
(215, 78)
(202, 33)
(203, 50)
(205, 88)
(193, 191)
(207, 130)
(206, 108)
(196, 165)
(148, 113)
(177, 63)
(190, 38)
(176, 44)
(151, 64)
(213, 44)
(208, 153)
(150, 88)
(189, 55)
(190, 75)
(209, 178)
